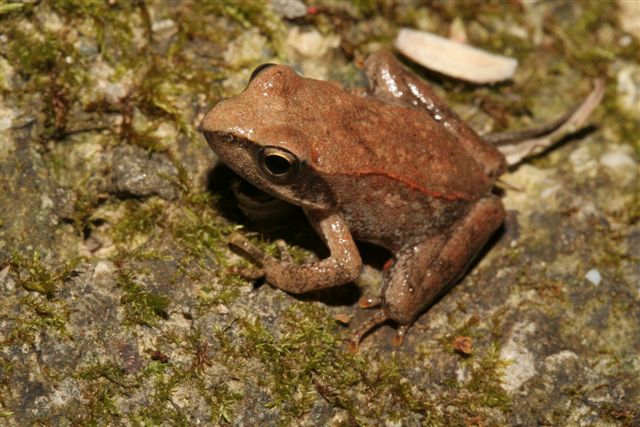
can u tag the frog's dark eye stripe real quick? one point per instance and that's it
(278, 163)
(258, 69)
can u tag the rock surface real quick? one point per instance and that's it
(117, 305)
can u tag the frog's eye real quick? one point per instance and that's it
(259, 69)
(278, 163)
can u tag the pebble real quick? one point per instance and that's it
(593, 276)
(289, 9)
(616, 160)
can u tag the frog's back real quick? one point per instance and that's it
(402, 144)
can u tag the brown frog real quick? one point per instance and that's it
(393, 166)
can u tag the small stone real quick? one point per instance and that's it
(163, 25)
(103, 268)
(92, 244)
(617, 160)
(104, 88)
(457, 31)
(289, 9)
(593, 276)
(522, 363)
(620, 163)
(5, 280)
(7, 116)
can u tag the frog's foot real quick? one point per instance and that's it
(240, 242)
(378, 317)
(398, 338)
(369, 302)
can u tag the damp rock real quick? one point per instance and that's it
(138, 173)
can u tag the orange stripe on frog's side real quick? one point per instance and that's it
(453, 195)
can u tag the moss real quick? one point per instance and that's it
(307, 351)
(230, 292)
(140, 218)
(390, 377)
(53, 68)
(142, 307)
(112, 22)
(199, 230)
(364, 8)
(296, 353)
(159, 95)
(621, 121)
(35, 276)
(160, 409)
(249, 14)
(486, 379)
(105, 383)
(37, 315)
(7, 8)
(34, 56)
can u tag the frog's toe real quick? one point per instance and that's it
(244, 245)
(249, 273)
(369, 302)
(377, 318)
(353, 347)
(398, 338)
(285, 256)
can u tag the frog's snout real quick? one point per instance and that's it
(209, 121)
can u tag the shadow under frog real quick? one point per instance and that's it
(393, 166)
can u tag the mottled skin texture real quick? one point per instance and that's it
(394, 166)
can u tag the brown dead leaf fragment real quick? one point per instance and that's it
(463, 344)
(343, 318)
(475, 421)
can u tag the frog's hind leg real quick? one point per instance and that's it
(425, 270)
(393, 82)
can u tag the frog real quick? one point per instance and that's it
(391, 164)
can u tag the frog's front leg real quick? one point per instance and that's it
(342, 266)
(424, 270)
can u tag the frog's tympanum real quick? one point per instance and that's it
(393, 166)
